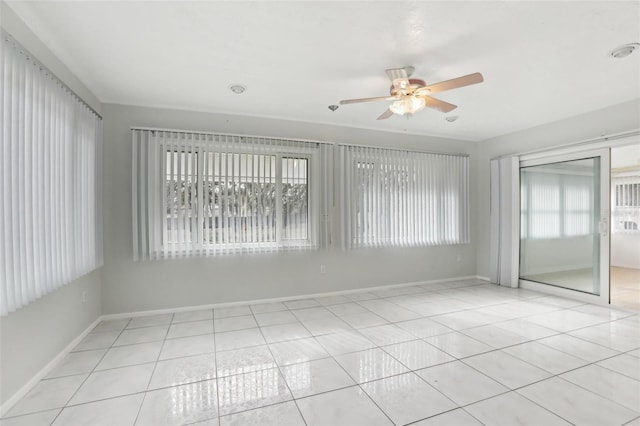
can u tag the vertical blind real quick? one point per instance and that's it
(201, 194)
(504, 235)
(402, 198)
(50, 232)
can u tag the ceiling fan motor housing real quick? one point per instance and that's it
(414, 84)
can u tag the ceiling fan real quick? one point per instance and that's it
(411, 95)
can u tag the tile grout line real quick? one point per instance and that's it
(400, 362)
(215, 364)
(459, 331)
(90, 373)
(278, 368)
(333, 357)
(410, 370)
(421, 316)
(500, 349)
(382, 347)
(553, 375)
(356, 384)
(509, 390)
(144, 396)
(631, 421)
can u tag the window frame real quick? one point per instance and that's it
(201, 150)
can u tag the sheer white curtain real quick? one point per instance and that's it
(402, 198)
(51, 228)
(505, 236)
(201, 194)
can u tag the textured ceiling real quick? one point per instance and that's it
(542, 61)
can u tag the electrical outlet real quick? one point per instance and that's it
(459, 258)
(323, 269)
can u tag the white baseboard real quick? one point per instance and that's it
(275, 299)
(9, 403)
(480, 277)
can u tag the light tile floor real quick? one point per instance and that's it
(458, 353)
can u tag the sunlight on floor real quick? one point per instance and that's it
(625, 287)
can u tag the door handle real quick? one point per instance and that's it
(603, 227)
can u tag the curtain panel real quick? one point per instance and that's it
(50, 160)
(505, 211)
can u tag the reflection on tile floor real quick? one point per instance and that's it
(463, 353)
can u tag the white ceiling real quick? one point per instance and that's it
(542, 61)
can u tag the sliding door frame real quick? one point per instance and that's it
(604, 228)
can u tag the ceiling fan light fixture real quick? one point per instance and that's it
(411, 95)
(408, 105)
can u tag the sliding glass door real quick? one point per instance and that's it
(564, 238)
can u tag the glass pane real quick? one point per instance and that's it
(560, 212)
(181, 188)
(295, 202)
(239, 198)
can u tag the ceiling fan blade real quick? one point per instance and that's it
(388, 113)
(454, 83)
(355, 101)
(438, 104)
(404, 73)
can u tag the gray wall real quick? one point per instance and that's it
(134, 286)
(32, 336)
(35, 334)
(616, 119)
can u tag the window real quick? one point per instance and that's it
(556, 201)
(401, 198)
(625, 200)
(51, 229)
(227, 194)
